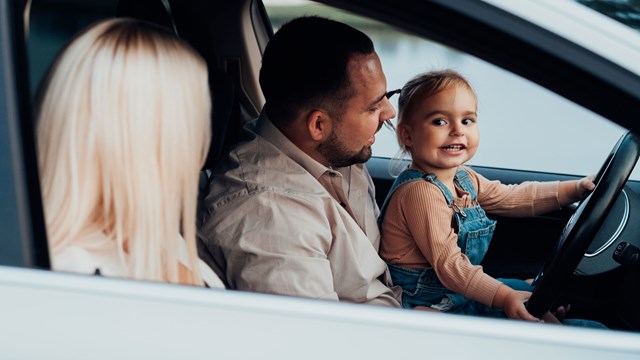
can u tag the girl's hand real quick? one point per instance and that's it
(584, 185)
(512, 302)
(514, 306)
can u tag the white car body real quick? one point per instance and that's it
(53, 316)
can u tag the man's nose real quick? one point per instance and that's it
(388, 112)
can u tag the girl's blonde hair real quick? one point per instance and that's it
(123, 130)
(421, 87)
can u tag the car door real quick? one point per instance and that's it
(52, 315)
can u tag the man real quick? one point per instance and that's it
(293, 211)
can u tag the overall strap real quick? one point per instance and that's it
(463, 181)
(448, 196)
(404, 177)
(443, 188)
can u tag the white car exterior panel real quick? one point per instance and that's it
(63, 316)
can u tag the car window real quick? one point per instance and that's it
(54, 22)
(624, 11)
(522, 125)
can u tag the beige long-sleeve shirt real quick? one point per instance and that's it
(417, 230)
(280, 222)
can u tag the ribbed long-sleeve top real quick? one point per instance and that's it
(418, 228)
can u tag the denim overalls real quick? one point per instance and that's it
(422, 287)
(474, 229)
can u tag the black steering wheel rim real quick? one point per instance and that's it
(584, 224)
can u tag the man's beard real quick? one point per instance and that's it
(334, 151)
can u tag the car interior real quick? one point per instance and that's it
(232, 35)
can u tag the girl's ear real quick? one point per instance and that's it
(319, 125)
(405, 135)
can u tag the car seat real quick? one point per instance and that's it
(226, 127)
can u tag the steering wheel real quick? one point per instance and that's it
(583, 225)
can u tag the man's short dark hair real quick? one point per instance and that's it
(306, 65)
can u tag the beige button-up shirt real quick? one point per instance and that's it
(280, 222)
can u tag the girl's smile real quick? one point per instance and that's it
(453, 148)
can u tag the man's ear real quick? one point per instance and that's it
(319, 125)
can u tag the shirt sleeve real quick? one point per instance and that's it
(429, 219)
(266, 250)
(529, 198)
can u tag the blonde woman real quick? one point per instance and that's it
(123, 130)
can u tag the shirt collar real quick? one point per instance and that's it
(266, 129)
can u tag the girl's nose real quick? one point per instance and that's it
(456, 130)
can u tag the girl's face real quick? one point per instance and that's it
(441, 130)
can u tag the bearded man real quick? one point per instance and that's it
(293, 210)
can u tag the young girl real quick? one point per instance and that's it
(123, 130)
(434, 228)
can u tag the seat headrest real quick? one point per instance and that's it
(155, 11)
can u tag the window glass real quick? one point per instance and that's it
(54, 22)
(522, 125)
(624, 11)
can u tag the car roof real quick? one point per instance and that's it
(588, 28)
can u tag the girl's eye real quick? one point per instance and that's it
(375, 108)
(438, 122)
(467, 121)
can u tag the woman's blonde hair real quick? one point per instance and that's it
(123, 130)
(421, 87)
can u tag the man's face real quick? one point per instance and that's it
(353, 132)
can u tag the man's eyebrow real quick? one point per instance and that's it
(378, 100)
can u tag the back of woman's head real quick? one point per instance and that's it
(123, 130)
(421, 87)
